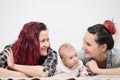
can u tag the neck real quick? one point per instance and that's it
(101, 58)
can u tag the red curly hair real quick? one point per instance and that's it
(26, 48)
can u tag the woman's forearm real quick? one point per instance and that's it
(32, 71)
(112, 71)
(10, 73)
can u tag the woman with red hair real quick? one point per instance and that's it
(30, 55)
(99, 56)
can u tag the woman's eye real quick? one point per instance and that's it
(88, 44)
(42, 41)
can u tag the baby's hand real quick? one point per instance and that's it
(83, 75)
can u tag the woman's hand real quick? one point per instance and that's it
(10, 59)
(92, 67)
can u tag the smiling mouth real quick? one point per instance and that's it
(85, 51)
(44, 49)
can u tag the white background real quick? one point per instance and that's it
(67, 20)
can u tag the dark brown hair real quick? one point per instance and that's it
(104, 33)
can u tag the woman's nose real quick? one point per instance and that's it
(83, 46)
(47, 44)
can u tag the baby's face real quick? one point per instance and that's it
(70, 59)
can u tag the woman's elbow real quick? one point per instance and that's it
(44, 74)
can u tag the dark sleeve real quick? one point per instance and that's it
(51, 62)
(3, 60)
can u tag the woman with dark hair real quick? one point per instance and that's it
(30, 55)
(99, 56)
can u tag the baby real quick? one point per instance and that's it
(70, 61)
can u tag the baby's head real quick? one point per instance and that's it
(68, 55)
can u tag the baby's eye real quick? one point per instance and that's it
(75, 54)
(71, 57)
(48, 39)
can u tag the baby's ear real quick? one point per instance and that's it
(63, 60)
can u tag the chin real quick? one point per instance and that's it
(44, 53)
(87, 55)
